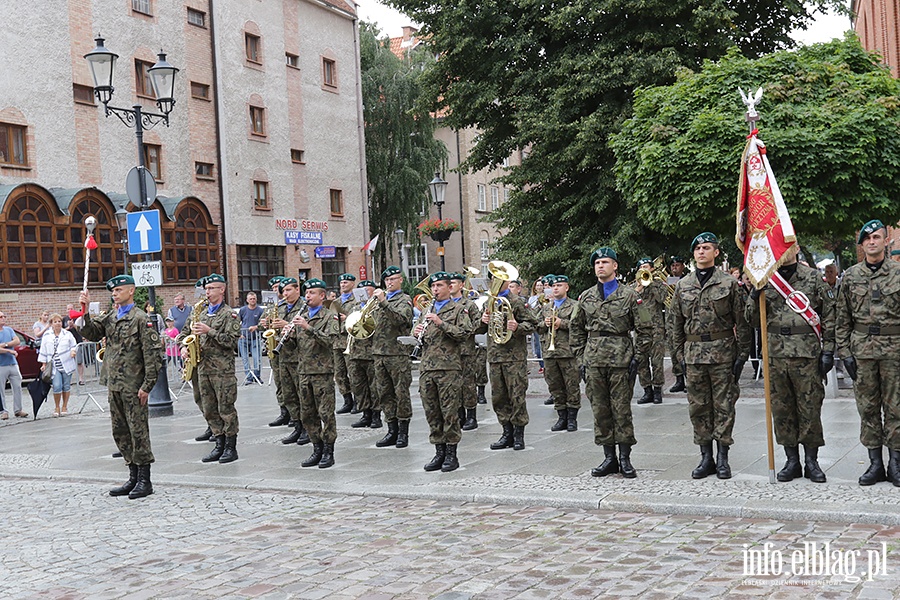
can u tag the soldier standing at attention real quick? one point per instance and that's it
(650, 367)
(361, 366)
(284, 417)
(677, 269)
(343, 305)
(709, 328)
(289, 359)
(442, 330)
(601, 336)
(132, 362)
(868, 341)
(560, 364)
(468, 396)
(315, 329)
(798, 363)
(218, 330)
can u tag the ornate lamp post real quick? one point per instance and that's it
(438, 187)
(122, 225)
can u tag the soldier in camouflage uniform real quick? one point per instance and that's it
(650, 367)
(601, 337)
(443, 330)
(206, 436)
(284, 416)
(709, 327)
(393, 369)
(314, 332)
(468, 390)
(343, 305)
(560, 364)
(132, 360)
(798, 363)
(509, 369)
(868, 341)
(481, 374)
(677, 269)
(362, 365)
(289, 359)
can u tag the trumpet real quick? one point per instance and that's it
(644, 277)
(416, 353)
(360, 324)
(552, 346)
(500, 271)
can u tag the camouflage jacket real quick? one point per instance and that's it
(133, 355)
(394, 318)
(600, 330)
(216, 347)
(516, 349)
(467, 348)
(869, 301)
(653, 297)
(343, 308)
(314, 345)
(711, 312)
(561, 343)
(289, 352)
(442, 344)
(789, 334)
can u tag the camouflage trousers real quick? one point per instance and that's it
(439, 391)
(563, 381)
(712, 394)
(217, 396)
(509, 382)
(130, 427)
(393, 376)
(877, 390)
(341, 369)
(797, 395)
(317, 402)
(468, 391)
(195, 390)
(650, 367)
(480, 358)
(609, 390)
(362, 382)
(677, 357)
(276, 378)
(289, 377)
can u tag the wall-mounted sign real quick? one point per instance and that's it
(303, 224)
(312, 238)
(325, 252)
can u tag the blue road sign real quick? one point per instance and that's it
(144, 232)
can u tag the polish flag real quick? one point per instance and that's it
(370, 246)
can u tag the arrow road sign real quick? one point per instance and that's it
(144, 232)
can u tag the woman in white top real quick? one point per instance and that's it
(58, 349)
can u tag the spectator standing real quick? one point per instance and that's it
(535, 303)
(248, 344)
(180, 312)
(41, 326)
(58, 349)
(69, 324)
(170, 333)
(9, 369)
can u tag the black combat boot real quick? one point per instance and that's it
(875, 472)
(143, 487)
(283, 419)
(625, 467)
(550, 401)
(657, 395)
(679, 385)
(893, 470)
(390, 439)
(451, 463)
(813, 472)
(519, 437)
(706, 466)
(348, 405)
(506, 438)
(461, 415)
(609, 465)
(216, 453)
(403, 434)
(365, 420)
(560, 424)
(723, 469)
(481, 398)
(125, 488)
(647, 398)
(304, 435)
(204, 437)
(792, 469)
(440, 451)
(315, 457)
(327, 456)
(471, 420)
(571, 419)
(230, 453)
(294, 435)
(376, 420)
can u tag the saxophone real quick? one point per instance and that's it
(192, 342)
(270, 333)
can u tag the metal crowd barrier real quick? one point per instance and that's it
(251, 348)
(86, 379)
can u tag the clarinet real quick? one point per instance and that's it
(287, 331)
(416, 353)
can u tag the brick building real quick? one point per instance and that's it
(877, 23)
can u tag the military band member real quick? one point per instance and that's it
(509, 370)
(289, 358)
(206, 436)
(361, 366)
(676, 270)
(343, 305)
(393, 369)
(481, 373)
(443, 330)
(868, 341)
(798, 363)
(314, 331)
(650, 367)
(132, 361)
(710, 329)
(560, 364)
(284, 416)
(468, 389)
(601, 336)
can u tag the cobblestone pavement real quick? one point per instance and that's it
(193, 542)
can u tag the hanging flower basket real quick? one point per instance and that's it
(438, 230)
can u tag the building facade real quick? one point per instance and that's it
(877, 23)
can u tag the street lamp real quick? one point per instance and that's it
(122, 225)
(102, 63)
(438, 187)
(400, 236)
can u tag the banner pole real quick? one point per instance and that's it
(764, 342)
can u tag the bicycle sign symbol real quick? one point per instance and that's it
(147, 274)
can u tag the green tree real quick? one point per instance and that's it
(556, 80)
(402, 154)
(830, 118)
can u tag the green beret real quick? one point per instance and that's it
(644, 261)
(286, 281)
(560, 279)
(677, 259)
(213, 278)
(276, 279)
(315, 284)
(347, 277)
(518, 281)
(392, 270)
(895, 252)
(200, 283)
(704, 238)
(439, 276)
(119, 280)
(870, 227)
(604, 252)
(457, 277)
(366, 283)
(548, 279)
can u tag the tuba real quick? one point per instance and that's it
(499, 315)
(360, 324)
(192, 342)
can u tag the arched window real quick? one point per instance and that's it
(31, 241)
(192, 246)
(106, 260)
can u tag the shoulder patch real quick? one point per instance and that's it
(149, 324)
(234, 315)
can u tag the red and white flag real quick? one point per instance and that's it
(370, 245)
(764, 228)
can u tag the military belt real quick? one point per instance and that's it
(710, 337)
(596, 334)
(793, 330)
(876, 329)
